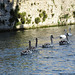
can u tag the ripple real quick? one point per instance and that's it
(66, 73)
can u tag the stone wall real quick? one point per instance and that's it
(53, 8)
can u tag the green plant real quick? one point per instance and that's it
(44, 19)
(18, 23)
(28, 21)
(32, 22)
(61, 7)
(53, 1)
(29, 15)
(37, 20)
(21, 15)
(31, 4)
(41, 15)
(44, 15)
(40, 10)
(14, 16)
(34, 3)
(74, 15)
(23, 20)
(72, 6)
(65, 16)
(52, 15)
(58, 23)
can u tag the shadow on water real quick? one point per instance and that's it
(7, 14)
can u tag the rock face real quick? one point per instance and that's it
(38, 12)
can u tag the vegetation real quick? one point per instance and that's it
(63, 19)
(22, 20)
(43, 15)
(53, 1)
(37, 20)
(15, 15)
(28, 21)
(61, 7)
(74, 14)
(31, 4)
(52, 15)
(21, 15)
(34, 3)
(65, 16)
(18, 23)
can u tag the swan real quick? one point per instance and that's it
(26, 52)
(69, 34)
(48, 45)
(65, 41)
(30, 49)
(63, 36)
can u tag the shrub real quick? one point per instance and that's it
(34, 3)
(41, 15)
(44, 12)
(37, 20)
(28, 21)
(23, 20)
(31, 4)
(61, 7)
(44, 19)
(21, 15)
(18, 23)
(45, 16)
(74, 14)
(28, 15)
(52, 15)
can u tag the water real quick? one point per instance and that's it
(59, 60)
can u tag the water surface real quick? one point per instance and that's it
(59, 60)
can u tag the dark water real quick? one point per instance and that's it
(59, 60)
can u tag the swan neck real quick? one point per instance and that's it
(51, 41)
(30, 45)
(36, 42)
(65, 31)
(67, 37)
(69, 30)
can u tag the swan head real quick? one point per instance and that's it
(67, 34)
(69, 28)
(65, 30)
(52, 36)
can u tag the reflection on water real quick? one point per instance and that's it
(59, 60)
